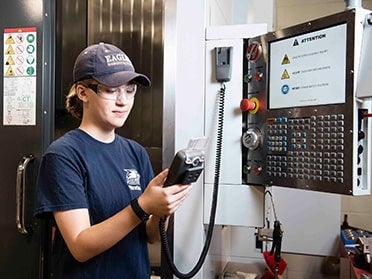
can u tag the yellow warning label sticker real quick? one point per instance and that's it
(286, 60)
(9, 72)
(285, 75)
(9, 40)
(9, 61)
(9, 50)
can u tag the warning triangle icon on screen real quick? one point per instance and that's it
(286, 60)
(285, 75)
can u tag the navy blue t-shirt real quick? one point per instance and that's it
(78, 171)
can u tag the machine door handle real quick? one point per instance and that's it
(21, 194)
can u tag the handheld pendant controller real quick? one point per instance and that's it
(186, 167)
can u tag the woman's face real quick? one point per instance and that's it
(109, 108)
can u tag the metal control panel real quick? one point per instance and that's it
(302, 125)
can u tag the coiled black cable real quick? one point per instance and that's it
(163, 235)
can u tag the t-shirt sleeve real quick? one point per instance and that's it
(60, 186)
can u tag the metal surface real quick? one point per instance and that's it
(20, 256)
(324, 156)
(364, 82)
(71, 38)
(21, 184)
(351, 4)
(137, 28)
(168, 130)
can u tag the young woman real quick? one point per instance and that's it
(98, 186)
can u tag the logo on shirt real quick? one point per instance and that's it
(133, 179)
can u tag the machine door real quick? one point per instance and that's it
(23, 115)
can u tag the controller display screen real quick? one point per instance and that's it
(308, 69)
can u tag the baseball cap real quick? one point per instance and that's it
(108, 65)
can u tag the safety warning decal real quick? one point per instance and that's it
(20, 46)
(19, 68)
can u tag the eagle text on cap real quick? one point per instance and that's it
(117, 59)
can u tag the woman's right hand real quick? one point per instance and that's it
(160, 201)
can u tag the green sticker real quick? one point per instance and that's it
(30, 38)
(30, 49)
(30, 59)
(30, 71)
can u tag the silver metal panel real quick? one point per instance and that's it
(71, 38)
(314, 140)
(169, 80)
(21, 255)
(137, 28)
(364, 82)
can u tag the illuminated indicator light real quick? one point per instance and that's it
(257, 170)
(247, 169)
(258, 76)
(247, 78)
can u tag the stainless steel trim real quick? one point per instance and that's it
(169, 80)
(136, 26)
(20, 193)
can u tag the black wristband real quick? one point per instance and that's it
(142, 215)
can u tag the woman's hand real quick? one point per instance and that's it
(160, 201)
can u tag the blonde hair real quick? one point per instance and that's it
(73, 104)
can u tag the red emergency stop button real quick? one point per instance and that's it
(250, 105)
(247, 104)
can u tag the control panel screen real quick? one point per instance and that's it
(308, 131)
(308, 69)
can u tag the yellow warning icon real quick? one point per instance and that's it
(285, 75)
(9, 72)
(9, 61)
(286, 60)
(9, 50)
(9, 40)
